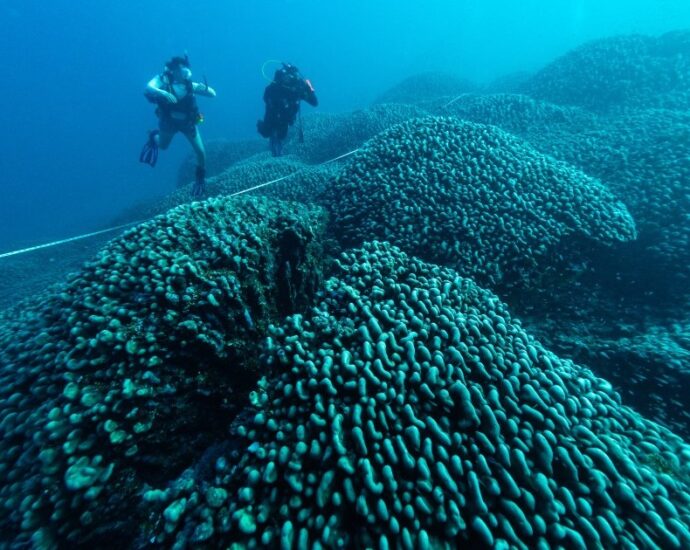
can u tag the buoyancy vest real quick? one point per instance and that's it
(186, 107)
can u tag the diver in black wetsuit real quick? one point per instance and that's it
(282, 98)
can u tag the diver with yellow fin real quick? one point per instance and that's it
(173, 92)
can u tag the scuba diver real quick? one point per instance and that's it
(282, 98)
(173, 93)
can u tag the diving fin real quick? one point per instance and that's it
(149, 152)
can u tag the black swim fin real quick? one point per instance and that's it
(149, 152)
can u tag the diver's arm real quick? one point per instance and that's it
(312, 99)
(308, 94)
(203, 89)
(153, 88)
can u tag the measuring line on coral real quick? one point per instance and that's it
(110, 229)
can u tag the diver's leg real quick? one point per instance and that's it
(163, 139)
(194, 137)
(281, 136)
(277, 138)
(274, 144)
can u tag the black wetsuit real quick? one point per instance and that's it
(181, 116)
(282, 105)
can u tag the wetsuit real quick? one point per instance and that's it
(183, 115)
(282, 100)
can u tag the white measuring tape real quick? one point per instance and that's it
(64, 241)
(288, 176)
(110, 229)
(452, 101)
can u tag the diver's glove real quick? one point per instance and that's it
(199, 187)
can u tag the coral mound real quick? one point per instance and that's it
(642, 156)
(426, 86)
(470, 196)
(327, 136)
(141, 362)
(220, 155)
(283, 178)
(519, 114)
(625, 71)
(409, 410)
(304, 182)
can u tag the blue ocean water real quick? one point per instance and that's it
(454, 314)
(75, 117)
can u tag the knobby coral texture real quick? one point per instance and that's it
(138, 364)
(619, 73)
(473, 197)
(415, 346)
(408, 409)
